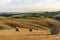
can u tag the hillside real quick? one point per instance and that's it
(40, 27)
(35, 23)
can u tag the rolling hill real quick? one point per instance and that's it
(35, 23)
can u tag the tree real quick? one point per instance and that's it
(53, 29)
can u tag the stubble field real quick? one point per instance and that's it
(8, 32)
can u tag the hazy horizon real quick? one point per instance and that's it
(29, 5)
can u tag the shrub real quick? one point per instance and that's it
(58, 18)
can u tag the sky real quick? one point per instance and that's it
(29, 5)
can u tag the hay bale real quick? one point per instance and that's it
(17, 28)
(30, 29)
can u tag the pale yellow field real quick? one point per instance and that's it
(24, 34)
(7, 30)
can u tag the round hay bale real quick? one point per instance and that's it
(17, 28)
(30, 29)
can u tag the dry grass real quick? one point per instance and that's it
(9, 32)
(24, 34)
(9, 23)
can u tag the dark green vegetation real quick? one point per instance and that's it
(54, 15)
(49, 14)
(53, 29)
